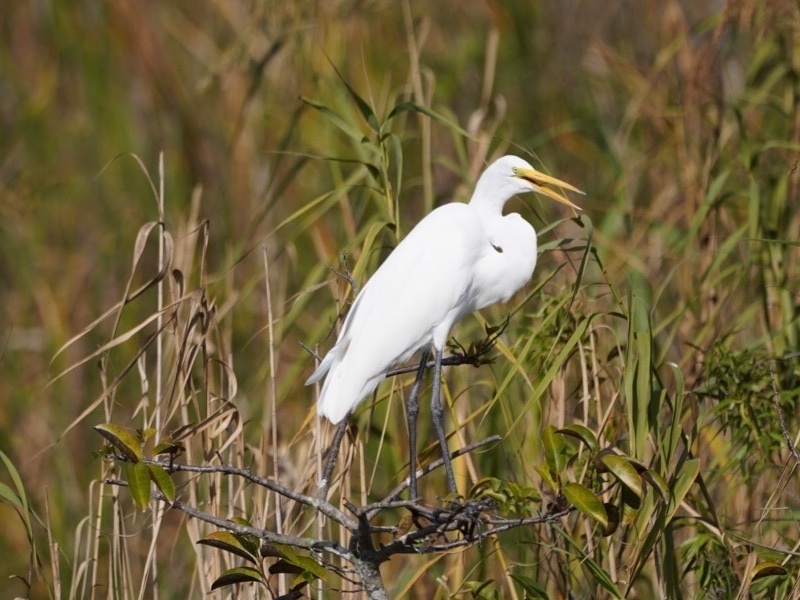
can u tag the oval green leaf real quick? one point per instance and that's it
(553, 449)
(309, 565)
(582, 433)
(162, 480)
(623, 470)
(121, 439)
(237, 575)
(145, 434)
(636, 464)
(768, 568)
(268, 550)
(8, 495)
(520, 493)
(138, 483)
(168, 447)
(597, 461)
(241, 521)
(284, 566)
(227, 541)
(630, 504)
(488, 486)
(547, 476)
(613, 519)
(585, 501)
(306, 568)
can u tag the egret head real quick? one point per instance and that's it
(511, 175)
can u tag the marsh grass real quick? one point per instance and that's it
(663, 318)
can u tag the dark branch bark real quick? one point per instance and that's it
(326, 508)
(459, 524)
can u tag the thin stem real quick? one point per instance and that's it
(273, 408)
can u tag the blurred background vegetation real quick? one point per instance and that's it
(679, 119)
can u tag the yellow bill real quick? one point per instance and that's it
(541, 181)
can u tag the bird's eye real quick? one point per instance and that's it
(515, 170)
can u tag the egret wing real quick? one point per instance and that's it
(421, 287)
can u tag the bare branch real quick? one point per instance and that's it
(322, 506)
(475, 356)
(346, 274)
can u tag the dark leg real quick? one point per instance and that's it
(330, 463)
(438, 420)
(412, 409)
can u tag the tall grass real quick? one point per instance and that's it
(664, 319)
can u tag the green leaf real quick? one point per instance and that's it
(582, 433)
(547, 476)
(163, 481)
(237, 575)
(122, 439)
(168, 446)
(233, 543)
(418, 108)
(630, 504)
(19, 497)
(675, 431)
(623, 470)
(701, 214)
(367, 247)
(586, 222)
(600, 575)
(138, 483)
(363, 107)
(636, 377)
(481, 590)
(241, 521)
(682, 484)
(306, 569)
(658, 483)
(7, 494)
(270, 550)
(521, 493)
(284, 566)
(553, 449)
(613, 519)
(336, 119)
(311, 566)
(491, 487)
(766, 569)
(585, 501)
(531, 588)
(555, 367)
(597, 461)
(643, 515)
(145, 434)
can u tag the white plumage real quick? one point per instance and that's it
(458, 259)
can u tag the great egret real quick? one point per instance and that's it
(458, 259)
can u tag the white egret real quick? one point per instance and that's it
(458, 259)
